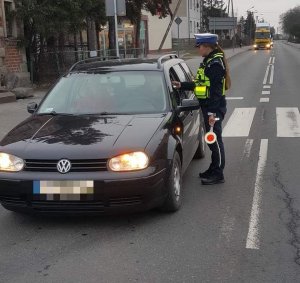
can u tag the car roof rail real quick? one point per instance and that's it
(167, 56)
(92, 60)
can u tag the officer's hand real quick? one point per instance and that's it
(176, 84)
(211, 120)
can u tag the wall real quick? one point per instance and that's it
(188, 12)
(12, 58)
(156, 30)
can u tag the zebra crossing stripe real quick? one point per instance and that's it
(265, 99)
(234, 98)
(239, 123)
(288, 122)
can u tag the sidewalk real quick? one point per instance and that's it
(230, 53)
(296, 45)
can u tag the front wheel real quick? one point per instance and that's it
(174, 187)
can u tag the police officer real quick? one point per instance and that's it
(211, 81)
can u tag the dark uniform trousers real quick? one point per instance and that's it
(217, 149)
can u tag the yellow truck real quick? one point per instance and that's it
(263, 37)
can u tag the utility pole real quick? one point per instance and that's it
(201, 15)
(250, 16)
(250, 32)
(116, 28)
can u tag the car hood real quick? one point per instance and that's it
(80, 137)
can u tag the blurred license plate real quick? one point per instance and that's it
(63, 187)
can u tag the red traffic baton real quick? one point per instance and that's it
(211, 137)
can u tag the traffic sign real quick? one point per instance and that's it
(222, 23)
(121, 8)
(178, 21)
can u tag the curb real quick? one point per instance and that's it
(7, 97)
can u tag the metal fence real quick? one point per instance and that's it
(46, 67)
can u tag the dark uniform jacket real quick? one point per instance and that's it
(215, 71)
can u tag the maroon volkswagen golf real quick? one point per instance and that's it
(110, 136)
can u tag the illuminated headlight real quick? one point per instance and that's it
(255, 45)
(129, 162)
(11, 163)
(268, 45)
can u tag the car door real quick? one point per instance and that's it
(186, 117)
(196, 113)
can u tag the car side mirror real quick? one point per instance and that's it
(31, 107)
(188, 105)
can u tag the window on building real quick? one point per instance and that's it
(190, 4)
(9, 18)
(191, 26)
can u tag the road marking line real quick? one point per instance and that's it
(267, 86)
(270, 60)
(266, 75)
(265, 99)
(266, 92)
(288, 122)
(272, 75)
(253, 241)
(234, 98)
(273, 60)
(239, 123)
(247, 149)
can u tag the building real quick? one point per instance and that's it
(190, 12)
(152, 31)
(13, 63)
(155, 31)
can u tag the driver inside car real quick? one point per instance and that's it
(95, 100)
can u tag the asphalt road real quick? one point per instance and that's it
(246, 230)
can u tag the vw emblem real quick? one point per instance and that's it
(64, 166)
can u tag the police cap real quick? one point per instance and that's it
(206, 38)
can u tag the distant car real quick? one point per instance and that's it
(110, 136)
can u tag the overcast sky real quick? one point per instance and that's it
(270, 10)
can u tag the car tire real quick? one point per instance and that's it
(200, 152)
(172, 202)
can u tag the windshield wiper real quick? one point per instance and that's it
(108, 113)
(53, 113)
(100, 114)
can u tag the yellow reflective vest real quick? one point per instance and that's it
(202, 82)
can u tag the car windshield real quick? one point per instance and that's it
(124, 92)
(262, 35)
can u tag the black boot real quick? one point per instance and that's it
(205, 174)
(213, 179)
